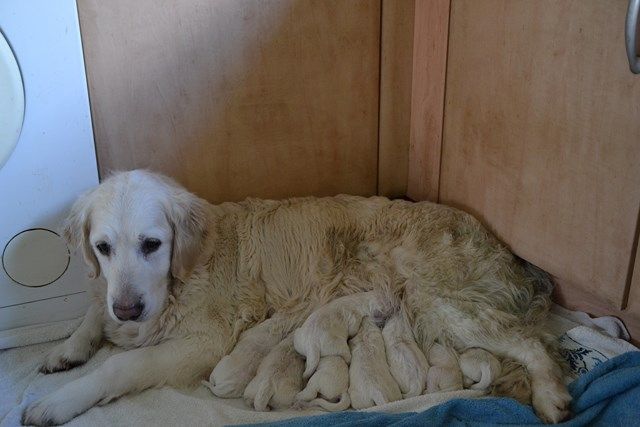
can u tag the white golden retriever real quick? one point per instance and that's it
(326, 330)
(183, 279)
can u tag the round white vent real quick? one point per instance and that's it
(36, 257)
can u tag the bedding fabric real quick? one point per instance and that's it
(608, 395)
(605, 392)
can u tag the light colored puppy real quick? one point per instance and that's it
(278, 380)
(407, 363)
(370, 382)
(326, 330)
(479, 368)
(331, 381)
(232, 374)
(444, 373)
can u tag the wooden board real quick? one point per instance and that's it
(237, 98)
(396, 61)
(631, 312)
(429, 74)
(542, 136)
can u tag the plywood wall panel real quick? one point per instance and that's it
(237, 98)
(428, 91)
(542, 136)
(396, 61)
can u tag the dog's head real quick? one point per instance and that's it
(138, 230)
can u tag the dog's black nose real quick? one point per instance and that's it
(131, 312)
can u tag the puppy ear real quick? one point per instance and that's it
(76, 228)
(188, 216)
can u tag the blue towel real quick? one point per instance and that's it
(608, 395)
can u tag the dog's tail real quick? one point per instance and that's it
(313, 359)
(340, 405)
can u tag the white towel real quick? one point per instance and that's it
(37, 334)
(20, 382)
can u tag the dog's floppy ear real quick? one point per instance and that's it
(187, 215)
(76, 228)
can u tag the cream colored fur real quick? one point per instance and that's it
(444, 373)
(479, 368)
(370, 381)
(407, 363)
(328, 387)
(222, 269)
(513, 382)
(278, 380)
(326, 330)
(232, 374)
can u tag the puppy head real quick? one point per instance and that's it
(139, 231)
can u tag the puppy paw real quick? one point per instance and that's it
(228, 390)
(299, 405)
(207, 384)
(66, 356)
(256, 403)
(550, 401)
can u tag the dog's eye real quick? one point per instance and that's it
(150, 246)
(104, 248)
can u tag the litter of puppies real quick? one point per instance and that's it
(345, 355)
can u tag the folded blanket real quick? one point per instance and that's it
(608, 395)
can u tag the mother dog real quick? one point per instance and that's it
(184, 278)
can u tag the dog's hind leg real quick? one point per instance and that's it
(549, 397)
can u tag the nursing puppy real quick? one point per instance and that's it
(232, 374)
(326, 330)
(444, 373)
(175, 275)
(370, 382)
(479, 368)
(331, 382)
(407, 363)
(278, 380)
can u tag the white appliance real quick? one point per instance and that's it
(47, 159)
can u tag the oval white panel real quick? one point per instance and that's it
(36, 257)
(11, 101)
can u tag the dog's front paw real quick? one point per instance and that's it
(66, 356)
(47, 411)
(550, 401)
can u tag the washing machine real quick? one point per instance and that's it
(47, 159)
